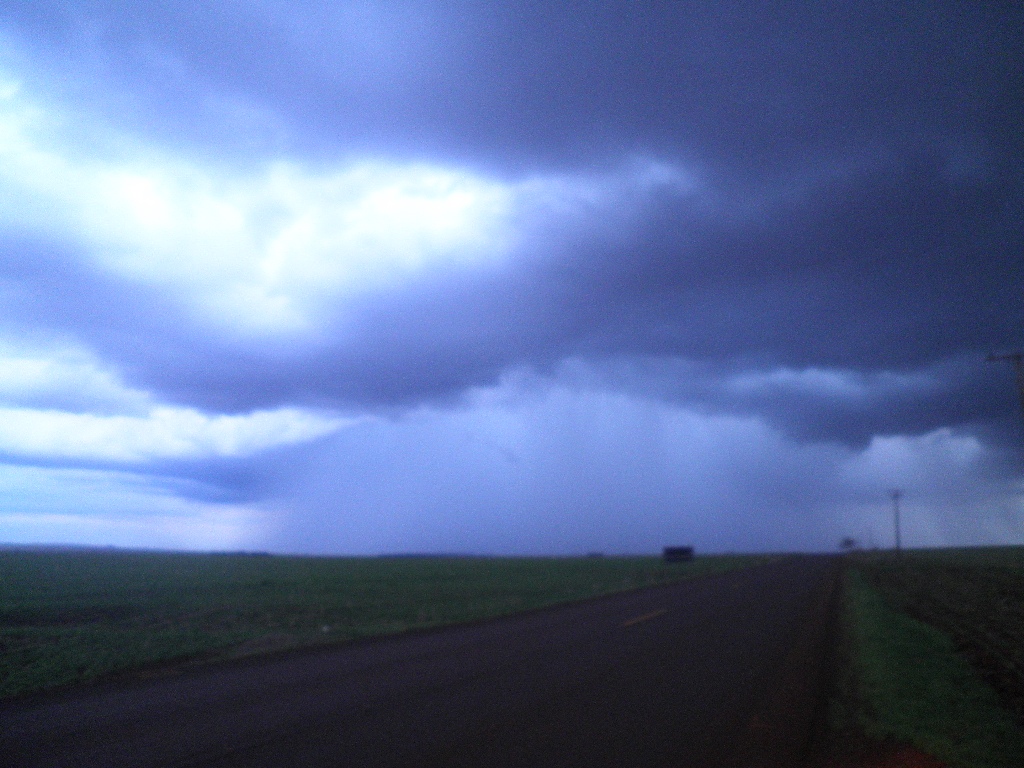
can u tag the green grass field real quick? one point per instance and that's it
(934, 642)
(73, 616)
(976, 596)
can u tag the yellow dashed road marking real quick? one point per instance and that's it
(645, 617)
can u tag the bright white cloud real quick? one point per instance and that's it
(64, 377)
(939, 458)
(165, 433)
(273, 251)
(263, 251)
(827, 383)
(278, 249)
(62, 404)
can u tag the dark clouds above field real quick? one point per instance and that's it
(356, 277)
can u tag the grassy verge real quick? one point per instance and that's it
(906, 681)
(974, 595)
(71, 617)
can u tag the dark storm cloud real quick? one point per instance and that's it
(859, 208)
(922, 279)
(755, 87)
(845, 405)
(907, 286)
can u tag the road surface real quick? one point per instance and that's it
(717, 671)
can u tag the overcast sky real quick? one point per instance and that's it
(510, 277)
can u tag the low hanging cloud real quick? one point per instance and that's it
(56, 505)
(537, 466)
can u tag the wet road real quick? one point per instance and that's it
(718, 671)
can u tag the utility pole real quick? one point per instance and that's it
(896, 494)
(1017, 358)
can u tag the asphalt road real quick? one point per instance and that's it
(718, 671)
